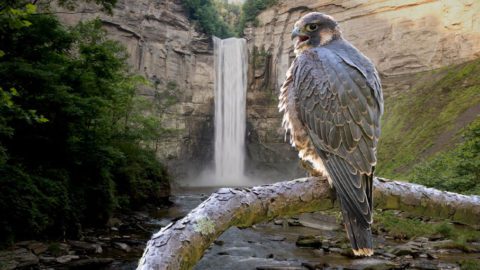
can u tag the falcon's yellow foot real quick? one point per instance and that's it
(364, 252)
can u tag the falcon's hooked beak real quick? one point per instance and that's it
(301, 38)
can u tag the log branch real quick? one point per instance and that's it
(181, 245)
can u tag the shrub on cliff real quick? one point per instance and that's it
(457, 170)
(72, 145)
(250, 11)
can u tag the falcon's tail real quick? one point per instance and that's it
(360, 236)
(354, 191)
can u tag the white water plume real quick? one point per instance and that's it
(230, 111)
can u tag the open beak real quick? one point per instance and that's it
(295, 33)
(299, 37)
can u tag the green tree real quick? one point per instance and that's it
(73, 146)
(206, 13)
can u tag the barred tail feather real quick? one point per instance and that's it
(354, 191)
(360, 235)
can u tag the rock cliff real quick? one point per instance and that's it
(404, 38)
(400, 36)
(166, 48)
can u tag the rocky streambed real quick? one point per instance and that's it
(309, 241)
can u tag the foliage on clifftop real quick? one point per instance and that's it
(427, 120)
(222, 19)
(250, 11)
(206, 13)
(72, 139)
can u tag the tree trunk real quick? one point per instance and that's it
(181, 244)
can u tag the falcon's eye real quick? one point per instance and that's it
(311, 27)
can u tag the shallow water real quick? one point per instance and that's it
(269, 245)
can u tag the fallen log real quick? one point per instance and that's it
(181, 245)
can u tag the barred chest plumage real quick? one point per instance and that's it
(297, 132)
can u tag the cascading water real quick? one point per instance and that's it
(230, 110)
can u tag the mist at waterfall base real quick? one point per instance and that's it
(230, 58)
(229, 167)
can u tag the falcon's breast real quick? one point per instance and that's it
(294, 127)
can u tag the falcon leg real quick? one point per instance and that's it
(311, 172)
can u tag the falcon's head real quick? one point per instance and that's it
(313, 30)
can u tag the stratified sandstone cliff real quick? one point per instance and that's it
(400, 36)
(165, 47)
(404, 38)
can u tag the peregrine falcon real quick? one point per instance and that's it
(332, 103)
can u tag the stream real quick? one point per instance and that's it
(308, 241)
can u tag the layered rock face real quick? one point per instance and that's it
(402, 37)
(178, 61)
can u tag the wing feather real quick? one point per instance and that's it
(341, 111)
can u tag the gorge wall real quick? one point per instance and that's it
(404, 38)
(165, 47)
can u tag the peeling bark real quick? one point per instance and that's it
(180, 245)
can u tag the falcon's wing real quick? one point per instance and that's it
(341, 110)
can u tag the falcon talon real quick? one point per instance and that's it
(325, 120)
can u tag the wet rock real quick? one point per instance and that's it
(105, 238)
(373, 264)
(336, 250)
(421, 239)
(122, 246)
(389, 255)
(114, 222)
(410, 248)
(37, 248)
(86, 247)
(60, 249)
(278, 222)
(92, 263)
(319, 252)
(277, 238)
(327, 244)
(294, 222)
(276, 267)
(18, 258)
(47, 259)
(436, 237)
(66, 259)
(432, 256)
(424, 265)
(309, 241)
(347, 252)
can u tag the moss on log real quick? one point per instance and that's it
(181, 244)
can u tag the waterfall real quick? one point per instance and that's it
(230, 110)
